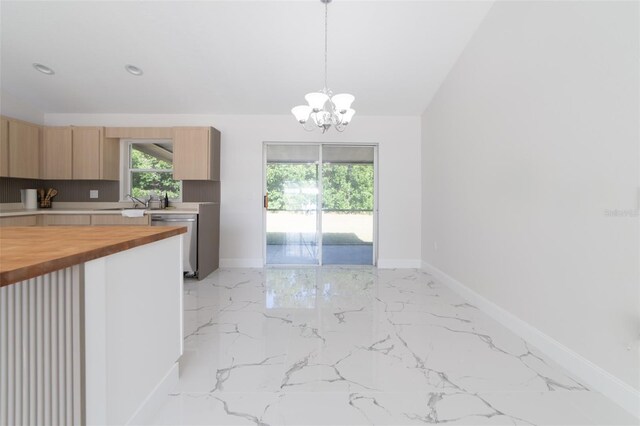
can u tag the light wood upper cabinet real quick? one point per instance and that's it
(196, 153)
(57, 153)
(109, 158)
(81, 153)
(139, 132)
(94, 155)
(24, 150)
(4, 147)
(19, 149)
(86, 152)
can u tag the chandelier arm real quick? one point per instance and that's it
(336, 118)
(310, 125)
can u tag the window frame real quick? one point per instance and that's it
(126, 170)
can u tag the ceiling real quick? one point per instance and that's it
(230, 57)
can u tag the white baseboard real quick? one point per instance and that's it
(156, 399)
(382, 263)
(241, 263)
(592, 375)
(399, 263)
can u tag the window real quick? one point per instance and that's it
(148, 170)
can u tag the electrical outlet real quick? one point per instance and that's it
(435, 246)
(93, 193)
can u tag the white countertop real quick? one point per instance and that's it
(93, 208)
(89, 211)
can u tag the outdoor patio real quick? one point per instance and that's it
(347, 238)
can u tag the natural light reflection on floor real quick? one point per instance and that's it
(360, 345)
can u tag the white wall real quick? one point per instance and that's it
(13, 107)
(532, 138)
(241, 161)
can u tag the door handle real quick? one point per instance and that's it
(265, 201)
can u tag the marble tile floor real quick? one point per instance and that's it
(360, 346)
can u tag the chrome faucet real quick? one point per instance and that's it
(137, 201)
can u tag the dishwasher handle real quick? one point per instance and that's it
(172, 220)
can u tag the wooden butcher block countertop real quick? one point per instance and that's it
(27, 252)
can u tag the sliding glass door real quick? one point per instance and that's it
(319, 204)
(347, 205)
(291, 202)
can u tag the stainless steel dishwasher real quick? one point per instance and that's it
(189, 240)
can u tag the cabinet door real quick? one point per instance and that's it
(4, 147)
(86, 152)
(18, 221)
(118, 220)
(215, 154)
(191, 153)
(56, 153)
(138, 132)
(66, 219)
(110, 159)
(24, 150)
(208, 239)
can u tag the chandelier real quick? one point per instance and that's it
(325, 109)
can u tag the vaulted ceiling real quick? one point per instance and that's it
(230, 57)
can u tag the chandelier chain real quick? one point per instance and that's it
(326, 15)
(324, 109)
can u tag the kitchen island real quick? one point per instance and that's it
(205, 253)
(90, 322)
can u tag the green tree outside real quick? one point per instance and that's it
(346, 186)
(144, 183)
(291, 186)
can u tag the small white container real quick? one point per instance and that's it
(29, 198)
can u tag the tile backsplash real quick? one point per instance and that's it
(10, 188)
(78, 190)
(68, 190)
(194, 191)
(108, 191)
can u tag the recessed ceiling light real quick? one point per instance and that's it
(43, 69)
(132, 69)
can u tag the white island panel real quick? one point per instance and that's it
(133, 312)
